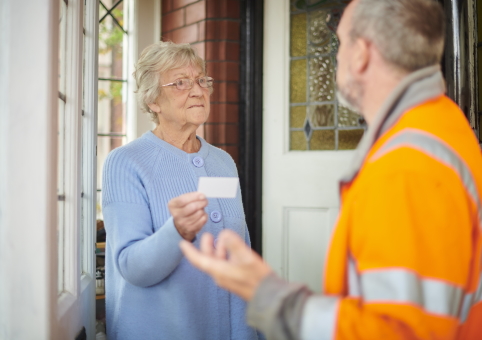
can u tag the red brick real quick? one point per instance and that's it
(202, 30)
(188, 34)
(233, 9)
(233, 30)
(216, 50)
(232, 51)
(232, 71)
(221, 133)
(219, 93)
(224, 113)
(232, 93)
(217, 70)
(173, 20)
(166, 36)
(166, 6)
(181, 3)
(212, 29)
(220, 9)
(195, 12)
(200, 48)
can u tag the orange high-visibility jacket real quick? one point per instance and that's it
(405, 256)
(406, 250)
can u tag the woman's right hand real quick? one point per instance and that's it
(188, 213)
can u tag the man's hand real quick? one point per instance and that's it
(188, 213)
(232, 264)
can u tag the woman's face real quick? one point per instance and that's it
(182, 107)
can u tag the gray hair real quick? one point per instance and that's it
(156, 59)
(409, 34)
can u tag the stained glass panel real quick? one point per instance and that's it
(317, 121)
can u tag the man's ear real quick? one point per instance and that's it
(154, 107)
(361, 56)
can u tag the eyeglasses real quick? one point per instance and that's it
(187, 84)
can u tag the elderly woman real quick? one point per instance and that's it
(150, 205)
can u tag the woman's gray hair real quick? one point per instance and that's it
(409, 34)
(156, 59)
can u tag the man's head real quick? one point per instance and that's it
(400, 36)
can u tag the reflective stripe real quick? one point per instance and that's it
(319, 318)
(438, 149)
(403, 286)
(470, 300)
(354, 289)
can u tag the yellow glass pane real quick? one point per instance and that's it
(298, 35)
(297, 116)
(297, 140)
(322, 115)
(323, 140)
(298, 81)
(479, 61)
(349, 139)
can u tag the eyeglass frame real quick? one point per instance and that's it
(208, 79)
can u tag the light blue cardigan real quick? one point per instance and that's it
(152, 291)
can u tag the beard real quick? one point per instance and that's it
(350, 95)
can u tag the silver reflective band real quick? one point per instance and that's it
(470, 300)
(404, 286)
(438, 149)
(354, 289)
(319, 318)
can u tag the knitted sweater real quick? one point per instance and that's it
(152, 291)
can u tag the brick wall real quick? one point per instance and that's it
(213, 28)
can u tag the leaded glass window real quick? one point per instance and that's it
(317, 121)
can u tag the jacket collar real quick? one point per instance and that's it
(416, 88)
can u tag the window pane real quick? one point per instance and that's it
(322, 115)
(111, 107)
(111, 39)
(349, 139)
(104, 146)
(323, 140)
(297, 116)
(61, 145)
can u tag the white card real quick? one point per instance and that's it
(218, 187)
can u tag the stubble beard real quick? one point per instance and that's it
(350, 94)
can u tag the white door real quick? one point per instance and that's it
(300, 188)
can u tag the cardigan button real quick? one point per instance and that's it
(198, 161)
(216, 216)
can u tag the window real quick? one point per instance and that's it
(317, 121)
(113, 82)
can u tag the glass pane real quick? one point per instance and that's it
(322, 115)
(102, 10)
(111, 107)
(99, 216)
(104, 146)
(322, 80)
(297, 140)
(118, 13)
(61, 145)
(349, 139)
(323, 140)
(298, 81)
(320, 36)
(347, 117)
(297, 116)
(298, 35)
(111, 39)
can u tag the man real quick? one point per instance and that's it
(405, 255)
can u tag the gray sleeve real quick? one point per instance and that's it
(277, 307)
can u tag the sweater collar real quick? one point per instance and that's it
(203, 151)
(416, 88)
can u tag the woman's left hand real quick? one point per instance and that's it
(188, 213)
